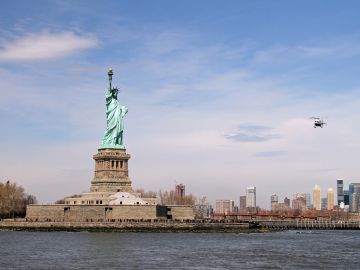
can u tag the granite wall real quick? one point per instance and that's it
(103, 213)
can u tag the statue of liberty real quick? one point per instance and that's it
(115, 113)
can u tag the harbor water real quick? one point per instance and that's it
(86, 250)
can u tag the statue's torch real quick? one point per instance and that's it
(110, 73)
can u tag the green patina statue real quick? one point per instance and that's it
(115, 113)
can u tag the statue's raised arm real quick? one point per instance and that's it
(115, 113)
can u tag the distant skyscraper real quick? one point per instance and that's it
(180, 191)
(274, 200)
(317, 197)
(242, 205)
(208, 211)
(282, 207)
(346, 197)
(251, 197)
(354, 206)
(287, 201)
(323, 203)
(330, 199)
(299, 204)
(351, 191)
(224, 206)
(354, 193)
(306, 196)
(340, 191)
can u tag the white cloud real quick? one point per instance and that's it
(252, 133)
(44, 45)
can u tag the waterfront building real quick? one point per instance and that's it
(330, 199)
(282, 207)
(274, 200)
(242, 205)
(317, 197)
(209, 211)
(308, 200)
(354, 202)
(346, 197)
(299, 204)
(323, 203)
(306, 196)
(340, 191)
(287, 201)
(224, 206)
(203, 209)
(351, 191)
(251, 197)
(354, 193)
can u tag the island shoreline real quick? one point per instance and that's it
(152, 227)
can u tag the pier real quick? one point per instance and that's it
(310, 225)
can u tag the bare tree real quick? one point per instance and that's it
(170, 198)
(60, 201)
(146, 194)
(167, 197)
(13, 200)
(30, 199)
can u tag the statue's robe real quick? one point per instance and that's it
(115, 121)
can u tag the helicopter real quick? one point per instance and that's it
(318, 122)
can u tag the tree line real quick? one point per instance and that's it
(13, 200)
(199, 204)
(168, 197)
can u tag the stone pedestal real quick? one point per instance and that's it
(111, 171)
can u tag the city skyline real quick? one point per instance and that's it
(219, 96)
(319, 199)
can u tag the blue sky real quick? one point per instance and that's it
(219, 93)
